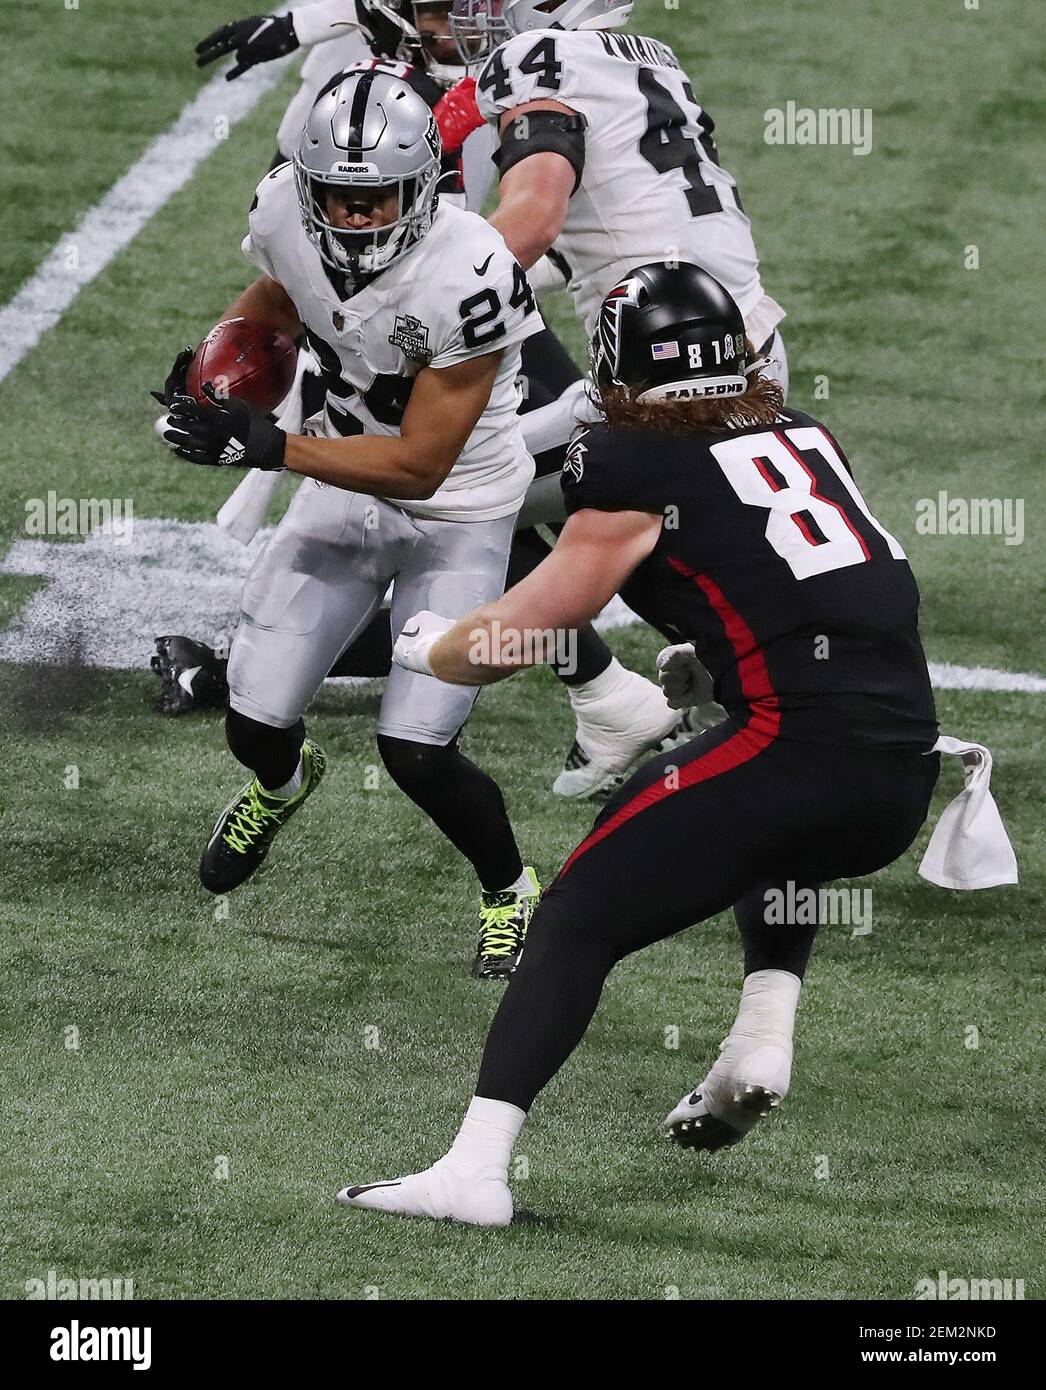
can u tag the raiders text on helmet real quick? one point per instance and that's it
(368, 129)
(670, 331)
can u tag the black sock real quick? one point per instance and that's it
(547, 1007)
(462, 800)
(272, 754)
(774, 945)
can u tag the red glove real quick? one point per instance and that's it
(457, 114)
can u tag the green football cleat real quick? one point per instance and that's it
(503, 922)
(246, 828)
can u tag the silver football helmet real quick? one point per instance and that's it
(478, 28)
(368, 130)
(523, 15)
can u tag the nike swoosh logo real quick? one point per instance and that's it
(481, 269)
(350, 1192)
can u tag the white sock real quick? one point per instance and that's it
(487, 1133)
(608, 681)
(768, 1003)
(289, 788)
(522, 885)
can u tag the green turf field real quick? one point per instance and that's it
(147, 1038)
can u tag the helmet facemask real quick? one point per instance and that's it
(478, 28)
(436, 51)
(371, 249)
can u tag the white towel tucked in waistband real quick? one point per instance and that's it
(969, 847)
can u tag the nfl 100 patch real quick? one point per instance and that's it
(411, 337)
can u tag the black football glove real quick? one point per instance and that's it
(203, 433)
(192, 676)
(175, 383)
(258, 39)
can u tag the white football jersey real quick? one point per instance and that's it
(457, 293)
(652, 186)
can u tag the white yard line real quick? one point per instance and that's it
(947, 677)
(105, 229)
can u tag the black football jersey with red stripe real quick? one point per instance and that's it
(800, 604)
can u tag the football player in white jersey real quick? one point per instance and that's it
(341, 33)
(414, 472)
(416, 37)
(606, 160)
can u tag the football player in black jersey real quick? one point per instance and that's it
(735, 526)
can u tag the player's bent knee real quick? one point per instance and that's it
(415, 766)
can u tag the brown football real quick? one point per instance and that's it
(247, 359)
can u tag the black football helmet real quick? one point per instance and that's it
(669, 331)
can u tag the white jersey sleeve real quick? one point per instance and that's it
(490, 304)
(536, 66)
(330, 19)
(261, 224)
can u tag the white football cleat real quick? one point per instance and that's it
(448, 1191)
(621, 717)
(729, 1102)
(752, 1073)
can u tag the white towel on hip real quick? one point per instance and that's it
(969, 847)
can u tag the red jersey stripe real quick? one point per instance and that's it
(740, 747)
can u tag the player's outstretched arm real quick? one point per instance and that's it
(257, 39)
(594, 555)
(445, 404)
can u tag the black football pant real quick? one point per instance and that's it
(720, 823)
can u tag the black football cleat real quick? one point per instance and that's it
(503, 922)
(247, 827)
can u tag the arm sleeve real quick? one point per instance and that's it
(330, 19)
